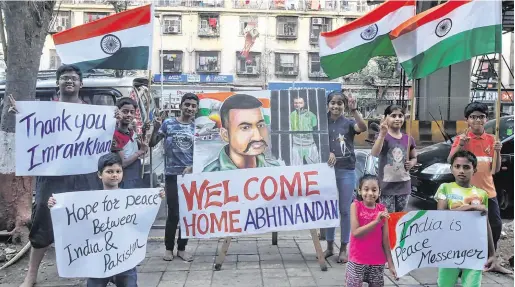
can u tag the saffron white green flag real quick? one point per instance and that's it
(448, 34)
(122, 41)
(349, 48)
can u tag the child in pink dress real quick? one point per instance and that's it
(369, 247)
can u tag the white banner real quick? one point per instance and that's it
(54, 138)
(438, 238)
(260, 200)
(104, 232)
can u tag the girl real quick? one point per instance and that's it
(395, 160)
(369, 243)
(341, 143)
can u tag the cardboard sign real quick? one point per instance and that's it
(102, 233)
(261, 200)
(437, 238)
(54, 138)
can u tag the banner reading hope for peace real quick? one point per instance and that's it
(54, 138)
(260, 200)
(103, 232)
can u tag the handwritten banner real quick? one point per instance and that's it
(54, 138)
(438, 238)
(254, 201)
(103, 230)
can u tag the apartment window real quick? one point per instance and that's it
(93, 16)
(246, 21)
(209, 25)
(55, 61)
(319, 25)
(315, 69)
(168, 3)
(208, 61)
(287, 27)
(287, 64)
(250, 65)
(61, 21)
(172, 61)
(172, 24)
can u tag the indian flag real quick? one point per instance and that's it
(209, 105)
(448, 34)
(122, 41)
(349, 48)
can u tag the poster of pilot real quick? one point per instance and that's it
(299, 126)
(232, 131)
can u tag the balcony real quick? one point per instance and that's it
(320, 5)
(190, 3)
(252, 4)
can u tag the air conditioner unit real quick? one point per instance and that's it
(251, 70)
(317, 21)
(172, 29)
(58, 28)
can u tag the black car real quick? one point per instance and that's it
(432, 168)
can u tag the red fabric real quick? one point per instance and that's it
(212, 22)
(121, 139)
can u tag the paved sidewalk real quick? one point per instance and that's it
(251, 262)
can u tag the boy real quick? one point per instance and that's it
(484, 147)
(463, 196)
(178, 153)
(128, 147)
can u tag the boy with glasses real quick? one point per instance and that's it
(484, 146)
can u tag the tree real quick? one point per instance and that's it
(27, 24)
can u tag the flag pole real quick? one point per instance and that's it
(411, 107)
(144, 135)
(498, 109)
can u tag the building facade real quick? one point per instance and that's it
(201, 41)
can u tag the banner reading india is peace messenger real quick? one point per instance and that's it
(102, 233)
(438, 238)
(54, 138)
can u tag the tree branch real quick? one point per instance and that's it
(2, 34)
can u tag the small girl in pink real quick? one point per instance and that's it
(369, 247)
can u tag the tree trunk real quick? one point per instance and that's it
(27, 27)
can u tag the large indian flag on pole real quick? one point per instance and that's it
(122, 41)
(448, 34)
(349, 48)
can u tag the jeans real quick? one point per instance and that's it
(494, 218)
(172, 220)
(345, 182)
(128, 278)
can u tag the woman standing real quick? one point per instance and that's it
(341, 143)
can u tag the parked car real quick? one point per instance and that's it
(432, 168)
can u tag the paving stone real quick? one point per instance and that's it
(302, 281)
(274, 273)
(203, 259)
(247, 265)
(176, 277)
(292, 257)
(248, 258)
(270, 257)
(199, 278)
(159, 266)
(178, 265)
(149, 279)
(271, 265)
(298, 272)
(276, 282)
(425, 276)
(202, 266)
(289, 250)
(498, 278)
